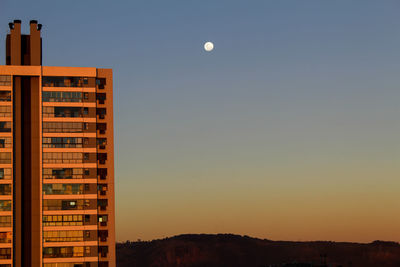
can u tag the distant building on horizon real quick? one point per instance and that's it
(56, 160)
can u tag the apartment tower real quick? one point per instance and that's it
(56, 160)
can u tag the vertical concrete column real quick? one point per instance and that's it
(27, 172)
(17, 171)
(26, 196)
(35, 162)
(107, 74)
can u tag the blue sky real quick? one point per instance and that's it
(296, 109)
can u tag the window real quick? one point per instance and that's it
(5, 221)
(60, 157)
(61, 142)
(67, 127)
(61, 96)
(5, 126)
(5, 111)
(5, 157)
(5, 142)
(58, 204)
(5, 173)
(59, 81)
(5, 205)
(102, 219)
(63, 189)
(63, 236)
(103, 234)
(101, 113)
(102, 188)
(5, 189)
(101, 127)
(101, 98)
(102, 203)
(102, 172)
(63, 220)
(103, 251)
(5, 96)
(102, 157)
(101, 143)
(101, 82)
(62, 173)
(5, 237)
(5, 253)
(63, 112)
(63, 252)
(5, 80)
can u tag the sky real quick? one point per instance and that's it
(288, 130)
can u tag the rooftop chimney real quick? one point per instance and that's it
(24, 49)
(35, 44)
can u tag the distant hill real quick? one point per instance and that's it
(226, 250)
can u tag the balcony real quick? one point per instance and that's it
(101, 83)
(5, 238)
(101, 113)
(101, 99)
(101, 128)
(102, 219)
(103, 235)
(5, 96)
(102, 204)
(101, 143)
(102, 189)
(5, 80)
(102, 174)
(102, 158)
(103, 251)
(53, 81)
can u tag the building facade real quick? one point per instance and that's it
(56, 160)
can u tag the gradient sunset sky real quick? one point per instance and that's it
(288, 130)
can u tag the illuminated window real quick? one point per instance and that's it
(5, 205)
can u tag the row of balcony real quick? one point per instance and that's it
(65, 189)
(64, 157)
(75, 220)
(70, 204)
(68, 142)
(65, 97)
(74, 173)
(74, 252)
(61, 235)
(73, 97)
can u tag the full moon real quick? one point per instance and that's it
(208, 46)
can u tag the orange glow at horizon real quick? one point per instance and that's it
(318, 203)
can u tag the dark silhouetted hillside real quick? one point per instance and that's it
(242, 251)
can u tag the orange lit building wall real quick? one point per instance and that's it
(56, 160)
